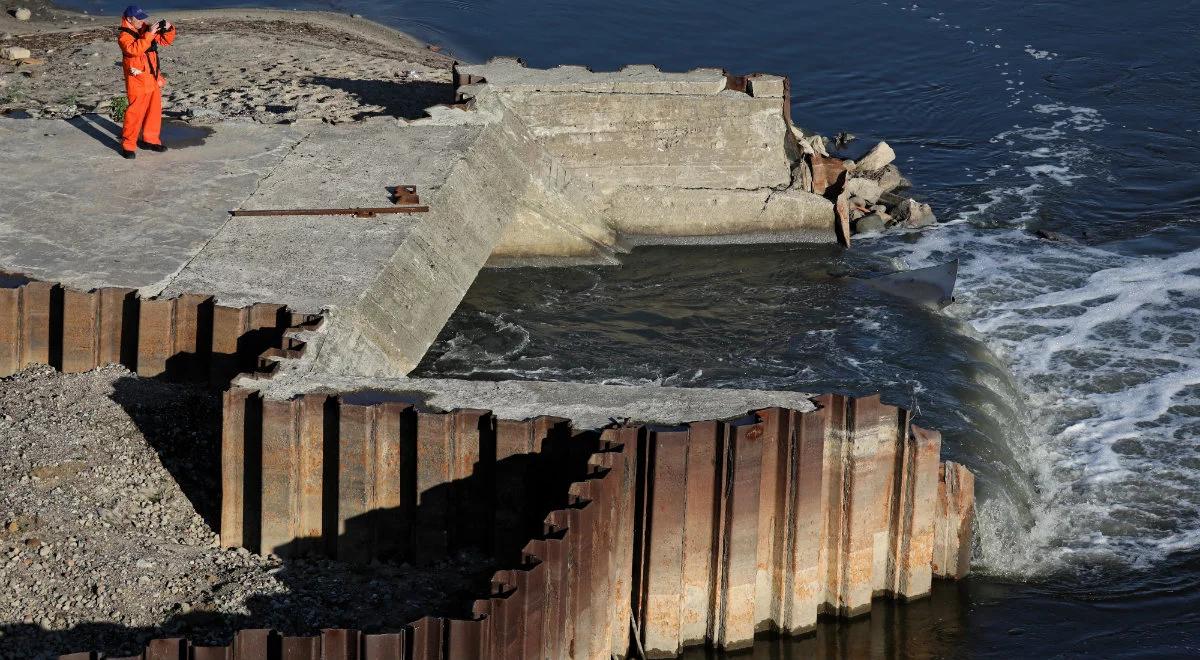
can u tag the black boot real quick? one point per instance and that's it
(128, 154)
(152, 147)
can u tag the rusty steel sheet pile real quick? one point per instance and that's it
(737, 526)
(188, 338)
(635, 538)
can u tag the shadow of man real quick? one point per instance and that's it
(104, 130)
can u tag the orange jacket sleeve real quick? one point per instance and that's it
(132, 46)
(166, 38)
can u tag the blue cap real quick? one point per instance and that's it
(134, 11)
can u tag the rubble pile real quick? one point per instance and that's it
(867, 193)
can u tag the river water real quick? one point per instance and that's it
(1067, 376)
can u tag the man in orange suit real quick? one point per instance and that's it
(139, 42)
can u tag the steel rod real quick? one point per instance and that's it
(358, 212)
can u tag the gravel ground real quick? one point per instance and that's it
(102, 547)
(253, 64)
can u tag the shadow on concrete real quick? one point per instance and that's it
(103, 129)
(406, 100)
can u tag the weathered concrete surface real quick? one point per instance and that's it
(552, 164)
(311, 262)
(704, 212)
(73, 211)
(587, 405)
(503, 177)
(669, 154)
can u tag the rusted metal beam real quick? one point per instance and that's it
(356, 212)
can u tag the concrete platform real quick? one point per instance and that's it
(536, 165)
(73, 211)
(311, 262)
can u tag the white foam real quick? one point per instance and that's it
(1059, 173)
(1038, 54)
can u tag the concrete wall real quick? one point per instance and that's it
(668, 154)
(504, 177)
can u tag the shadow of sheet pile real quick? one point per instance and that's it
(320, 475)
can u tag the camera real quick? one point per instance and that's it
(161, 26)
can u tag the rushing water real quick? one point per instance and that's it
(1068, 374)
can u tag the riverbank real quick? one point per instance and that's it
(265, 65)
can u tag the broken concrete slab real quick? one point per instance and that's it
(875, 159)
(911, 213)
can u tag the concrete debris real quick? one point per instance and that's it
(15, 53)
(912, 214)
(869, 223)
(865, 189)
(879, 156)
(816, 145)
(1054, 236)
(889, 178)
(802, 176)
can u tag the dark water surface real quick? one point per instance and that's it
(1068, 374)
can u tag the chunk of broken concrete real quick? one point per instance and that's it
(802, 178)
(865, 189)
(15, 53)
(22, 14)
(889, 178)
(816, 144)
(877, 158)
(910, 213)
(1054, 236)
(869, 223)
(825, 172)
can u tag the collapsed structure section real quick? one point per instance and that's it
(698, 154)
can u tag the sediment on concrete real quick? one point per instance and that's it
(185, 338)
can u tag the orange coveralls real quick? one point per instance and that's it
(143, 82)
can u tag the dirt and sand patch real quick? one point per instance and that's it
(266, 65)
(106, 482)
